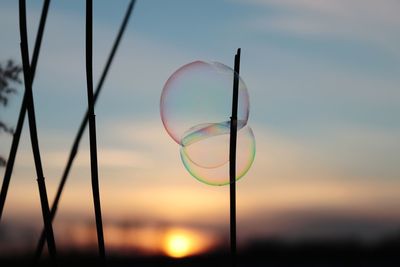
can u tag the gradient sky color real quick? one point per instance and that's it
(323, 79)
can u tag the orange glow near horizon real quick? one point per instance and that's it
(179, 243)
(174, 242)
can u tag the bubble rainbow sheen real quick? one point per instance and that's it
(195, 107)
(219, 175)
(197, 93)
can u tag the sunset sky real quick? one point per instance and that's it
(323, 79)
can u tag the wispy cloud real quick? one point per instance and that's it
(375, 22)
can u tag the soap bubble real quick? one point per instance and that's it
(219, 175)
(195, 107)
(198, 93)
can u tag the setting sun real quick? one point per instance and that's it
(179, 243)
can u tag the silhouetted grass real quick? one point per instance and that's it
(273, 253)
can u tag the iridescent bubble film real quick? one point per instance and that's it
(219, 175)
(195, 107)
(198, 93)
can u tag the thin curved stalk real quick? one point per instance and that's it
(33, 131)
(78, 137)
(22, 112)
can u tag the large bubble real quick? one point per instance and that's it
(195, 106)
(198, 93)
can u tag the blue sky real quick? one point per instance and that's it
(323, 78)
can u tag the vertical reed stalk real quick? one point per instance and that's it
(33, 131)
(92, 128)
(232, 159)
(22, 112)
(78, 137)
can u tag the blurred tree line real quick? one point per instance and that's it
(9, 77)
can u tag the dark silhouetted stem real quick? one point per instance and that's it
(33, 131)
(39, 37)
(22, 112)
(78, 137)
(232, 159)
(92, 128)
